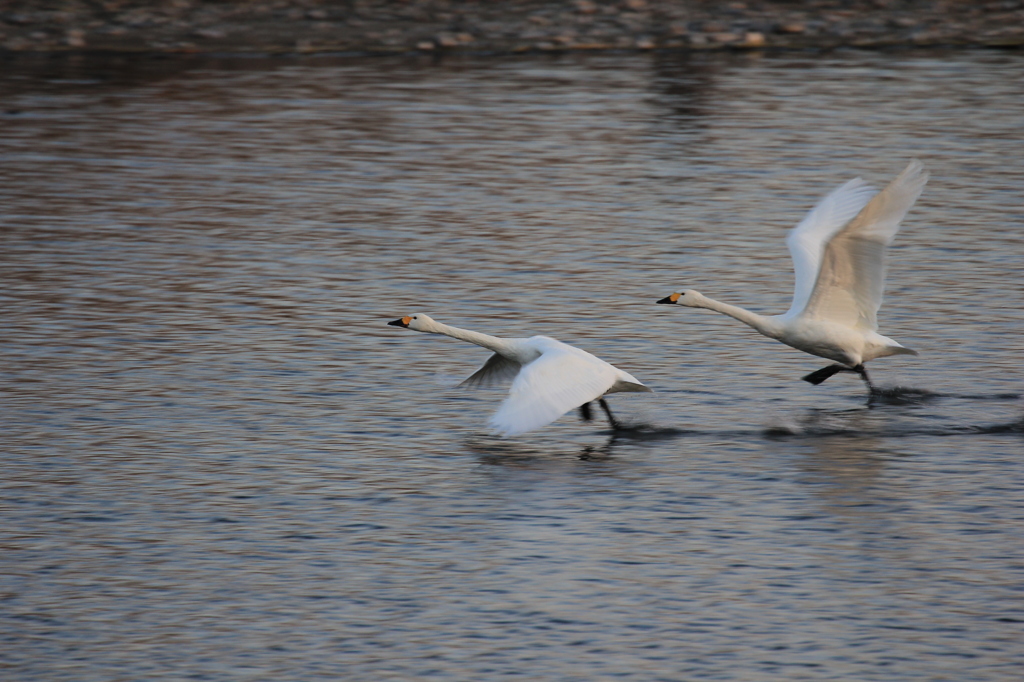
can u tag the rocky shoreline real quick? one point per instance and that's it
(399, 26)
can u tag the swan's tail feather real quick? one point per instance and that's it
(622, 386)
(888, 346)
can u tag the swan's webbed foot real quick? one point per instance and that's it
(585, 413)
(611, 418)
(824, 373)
(859, 369)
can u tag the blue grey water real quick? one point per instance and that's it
(219, 463)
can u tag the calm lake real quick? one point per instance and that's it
(219, 462)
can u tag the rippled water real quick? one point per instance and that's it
(219, 463)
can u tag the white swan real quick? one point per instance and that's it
(838, 254)
(549, 377)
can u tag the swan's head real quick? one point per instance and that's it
(418, 322)
(689, 297)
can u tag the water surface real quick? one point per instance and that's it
(220, 463)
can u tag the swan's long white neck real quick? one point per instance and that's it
(765, 325)
(493, 343)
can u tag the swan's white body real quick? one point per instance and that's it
(549, 377)
(838, 254)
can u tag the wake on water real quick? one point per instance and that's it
(906, 395)
(815, 423)
(819, 423)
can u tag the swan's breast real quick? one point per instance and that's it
(825, 339)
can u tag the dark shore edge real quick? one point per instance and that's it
(465, 27)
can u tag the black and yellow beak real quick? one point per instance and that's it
(403, 322)
(670, 299)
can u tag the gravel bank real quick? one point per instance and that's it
(394, 26)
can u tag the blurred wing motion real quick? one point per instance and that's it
(497, 370)
(851, 276)
(807, 240)
(545, 389)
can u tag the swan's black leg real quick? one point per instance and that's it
(859, 369)
(824, 373)
(585, 413)
(611, 418)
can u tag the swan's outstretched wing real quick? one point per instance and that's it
(807, 240)
(851, 279)
(550, 386)
(497, 370)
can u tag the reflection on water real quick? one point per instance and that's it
(220, 463)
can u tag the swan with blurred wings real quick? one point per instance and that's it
(838, 254)
(549, 378)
